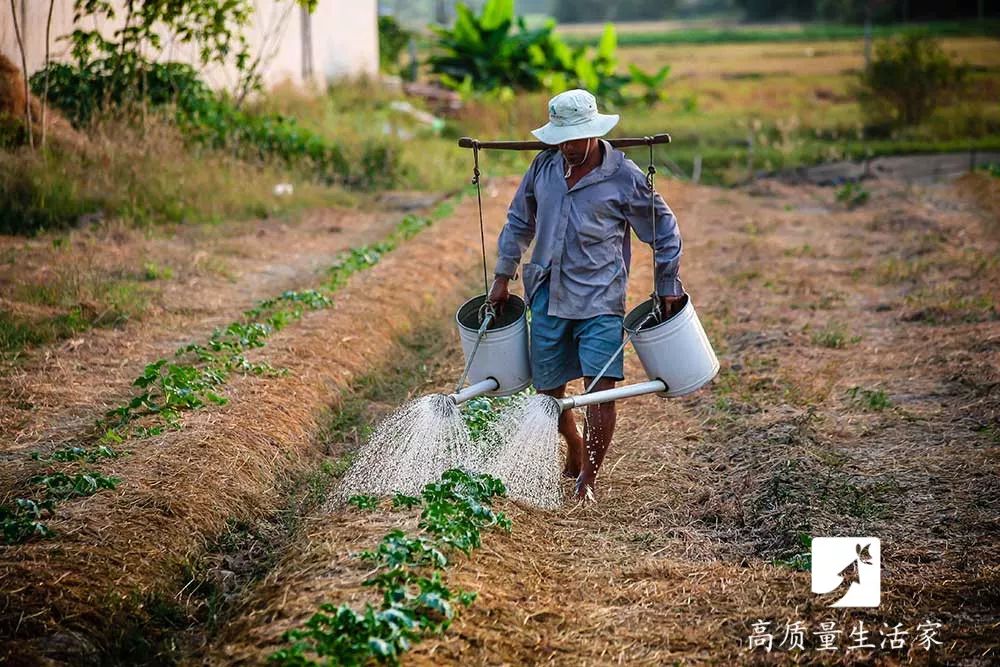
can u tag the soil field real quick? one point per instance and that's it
(859, 396)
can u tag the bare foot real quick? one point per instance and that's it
(585, 489)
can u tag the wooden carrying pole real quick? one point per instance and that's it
(624, 142)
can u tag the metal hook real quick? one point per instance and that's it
(475, 163)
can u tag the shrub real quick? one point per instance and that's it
(36, 197)
(392, 39)
(906, 80)
(83, 91)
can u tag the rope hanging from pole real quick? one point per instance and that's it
(650, 171)
(479, 196)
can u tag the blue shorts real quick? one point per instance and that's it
(564, 350)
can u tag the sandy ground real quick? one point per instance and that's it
(707, 503)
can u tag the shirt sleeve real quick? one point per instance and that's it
(668, 234)
(519, 230)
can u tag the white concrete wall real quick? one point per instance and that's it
(344, 39)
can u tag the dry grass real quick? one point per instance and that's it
(704, 500)
(809, 60)
(984, 190)
(116, 551)
(52, 393)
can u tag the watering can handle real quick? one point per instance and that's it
(487, 319)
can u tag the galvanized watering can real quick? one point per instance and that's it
(676, 354)
(495, 346)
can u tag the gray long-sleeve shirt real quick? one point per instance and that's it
(581, 234)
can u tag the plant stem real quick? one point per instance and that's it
(24, 69)
(45, 89)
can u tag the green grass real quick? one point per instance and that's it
(875, 400)
(810, 32)
(834, 335)
(72, 300)
(143, 175)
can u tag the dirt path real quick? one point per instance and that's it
(925, 169)
(859, 395)
(219, 272)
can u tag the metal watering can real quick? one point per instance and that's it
(495, 346)
(675, 353)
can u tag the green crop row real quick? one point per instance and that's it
(24, 519)
(408, 575)
(192, 379)
(194, 376)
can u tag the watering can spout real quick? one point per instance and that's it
(472, 391)
(626, 391)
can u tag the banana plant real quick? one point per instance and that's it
(653, 83)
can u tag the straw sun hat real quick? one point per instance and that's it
(573, 115)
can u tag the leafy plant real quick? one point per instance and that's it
(416, 601)
(363, 502)
(872, 399)
(495, 51)
(392, 39)
(652, 83)
(84, 89)
(402, 501)
(24, 520)
(906, 80)
(69, 454)
(852, 194)
(60, 486)
(993, 169)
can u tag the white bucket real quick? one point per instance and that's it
(503, 352)
(676, 351)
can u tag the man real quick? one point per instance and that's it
(577, 202)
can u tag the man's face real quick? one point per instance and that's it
(575, 151)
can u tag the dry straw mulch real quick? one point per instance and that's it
(704, 500)
(68, 597)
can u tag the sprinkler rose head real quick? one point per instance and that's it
(552, 405)
(443, 404)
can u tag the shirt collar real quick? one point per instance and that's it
(609, 165)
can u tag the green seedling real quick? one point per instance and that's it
(416, 601)
(70, 454)
(60, 486)
(402, 501)
(23, 521)
(834, 335)
(363, 502)
(852, 195)
(871, 399)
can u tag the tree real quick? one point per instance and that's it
(215, 27)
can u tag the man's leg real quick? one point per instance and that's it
(567, 427)
(554, 361)
(598, 431)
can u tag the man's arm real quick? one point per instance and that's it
(516, 235)
(642, 215)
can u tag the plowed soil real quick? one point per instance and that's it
(707, 503)
(859, 396)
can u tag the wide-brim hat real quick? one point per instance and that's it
(573, 115)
